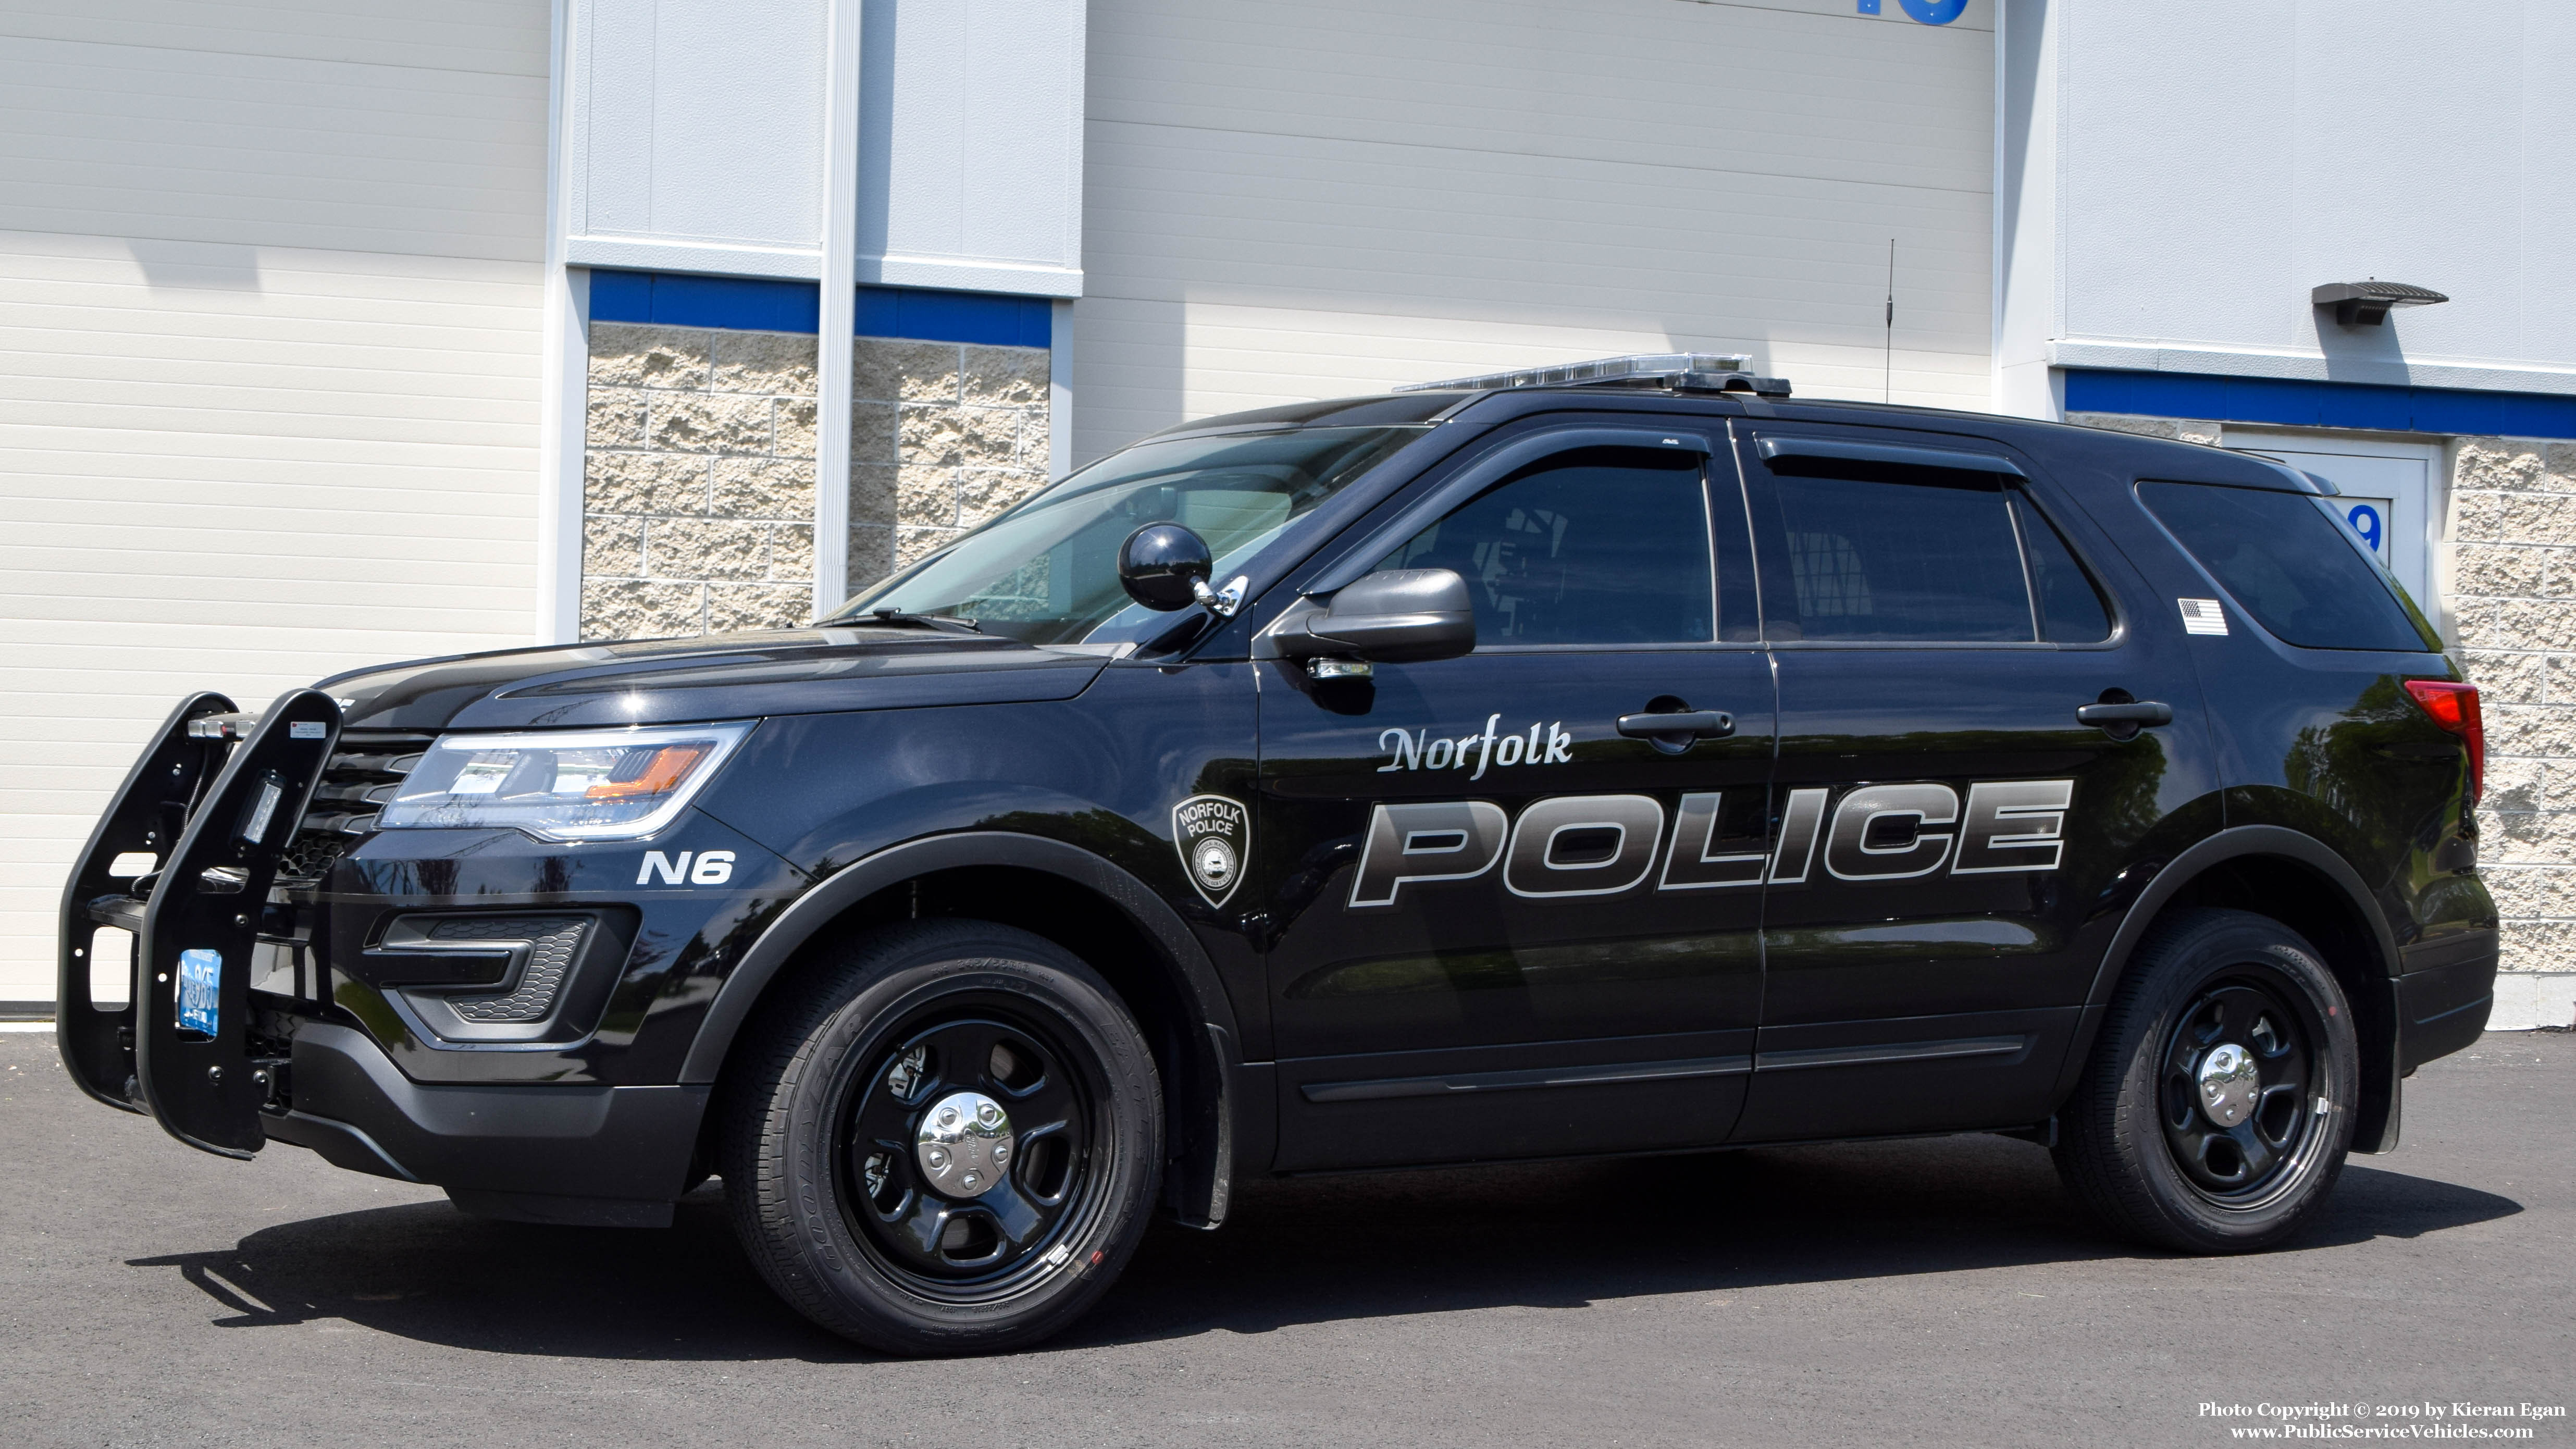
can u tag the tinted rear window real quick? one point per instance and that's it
(1883, 561)
(2286, 563)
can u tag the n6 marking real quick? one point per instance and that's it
(714, 867)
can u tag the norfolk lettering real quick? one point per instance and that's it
(1540, 744)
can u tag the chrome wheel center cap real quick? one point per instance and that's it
(2228, 1084)
(965, 1144)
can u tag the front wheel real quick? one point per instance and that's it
(949, 1142)
(2217, 1109)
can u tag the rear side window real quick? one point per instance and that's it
(1875, 552)
(2286, 563)
(1873, 561)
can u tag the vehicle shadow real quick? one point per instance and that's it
(1569, 1235)
(1557, 1235)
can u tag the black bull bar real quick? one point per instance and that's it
(216, 800)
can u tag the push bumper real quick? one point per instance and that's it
(213, 804)
(596, 1155)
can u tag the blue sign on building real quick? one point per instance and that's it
(1930, 12)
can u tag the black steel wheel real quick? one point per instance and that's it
(947, 1142)
(2239, 1091)
(966, 1149)
(2217, 1109)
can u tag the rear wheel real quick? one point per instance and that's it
(2217, 1109)
(948, 1143)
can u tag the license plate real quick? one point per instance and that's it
(201, 979)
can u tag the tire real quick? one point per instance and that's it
(987, 1237)
(2171, 1140)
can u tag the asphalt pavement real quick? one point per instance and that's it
(1942, 1291)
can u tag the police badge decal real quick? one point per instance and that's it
(1214, 836)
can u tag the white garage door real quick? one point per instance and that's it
(1294, 201)
(269, 356)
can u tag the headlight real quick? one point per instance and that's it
(592, 785)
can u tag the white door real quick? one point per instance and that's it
(273, 308)
(2387, 493)
(1292, 202)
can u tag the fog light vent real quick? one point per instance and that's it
(551, 945)
(467, 972)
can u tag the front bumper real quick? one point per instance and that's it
(599, 1155)
(264, 1004)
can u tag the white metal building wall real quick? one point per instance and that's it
(2174, 217)
(1293, 202)
(270, 335)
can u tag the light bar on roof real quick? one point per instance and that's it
(1693, 371)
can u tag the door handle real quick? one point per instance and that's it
(2122, 719)
(1697, 724)
(2143, 712)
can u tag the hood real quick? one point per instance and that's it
(719, 676)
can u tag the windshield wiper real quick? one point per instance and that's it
(942, 622)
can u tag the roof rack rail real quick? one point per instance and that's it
(1687, 371)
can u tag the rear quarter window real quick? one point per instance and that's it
(2289, 564)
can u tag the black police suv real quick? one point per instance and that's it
(1615, 759)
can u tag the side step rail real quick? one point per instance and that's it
(201, 927)
(146, 818)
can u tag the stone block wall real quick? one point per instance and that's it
(2513, 573)
(2187, 430)
(942, 437)
(698, 479)
(2510, 533)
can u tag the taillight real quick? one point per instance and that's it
(2454, 707)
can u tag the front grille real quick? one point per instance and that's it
(361, 776)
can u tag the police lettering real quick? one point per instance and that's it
(1417, 844)
(1599, 845)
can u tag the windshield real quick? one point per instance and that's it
(1047, 571)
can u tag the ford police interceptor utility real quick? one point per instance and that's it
(1615, 759)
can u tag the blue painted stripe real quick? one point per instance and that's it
(2378, 406)
(992, 318)
(745, 304)
(677, 300)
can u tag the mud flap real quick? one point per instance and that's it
(193, 959)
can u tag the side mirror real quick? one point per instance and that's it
(1401, 616)
(1164, 566)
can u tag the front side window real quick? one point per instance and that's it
(2292, 565)
(1047, 571)
(1595, 546)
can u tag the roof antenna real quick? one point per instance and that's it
(1888, 385)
